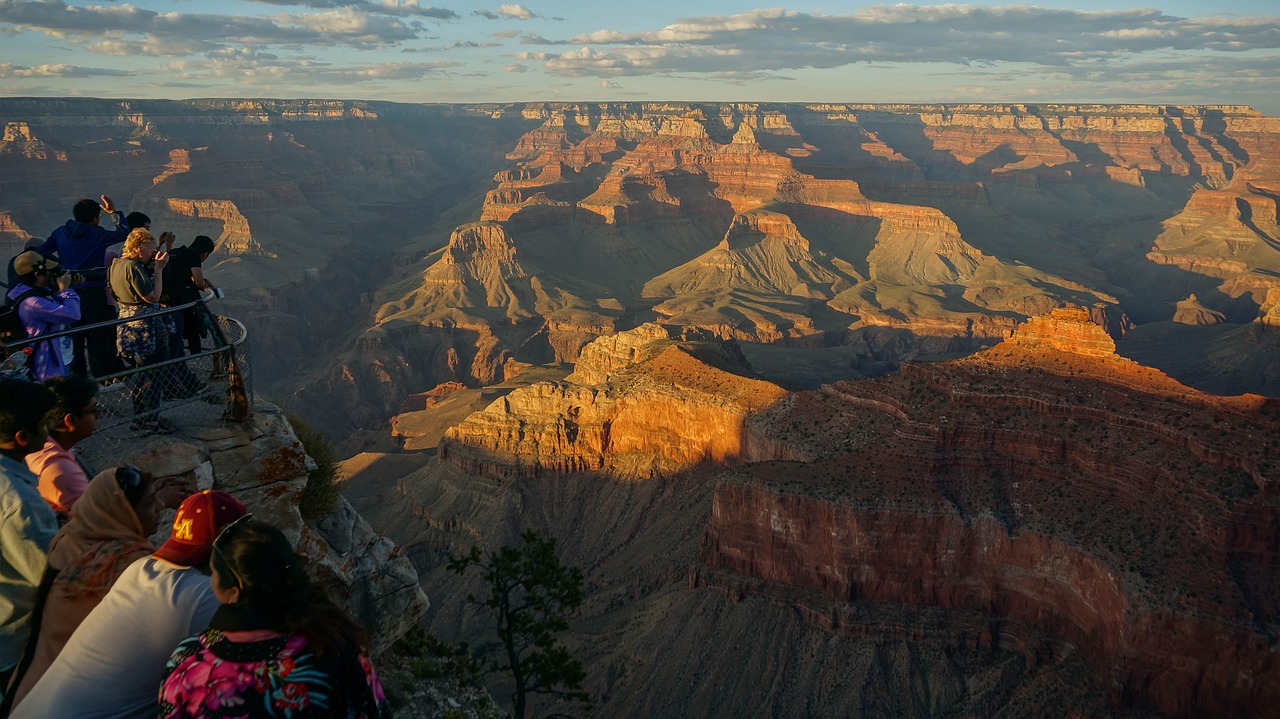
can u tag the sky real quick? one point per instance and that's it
(1172, 52)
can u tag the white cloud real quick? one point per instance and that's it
(516, 67)
(200, 32)
(764, 40)
(516, 11)
(8, 70)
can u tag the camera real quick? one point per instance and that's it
(91, 274)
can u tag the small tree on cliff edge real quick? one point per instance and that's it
(532, 594)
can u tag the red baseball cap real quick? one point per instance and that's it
(200, 518)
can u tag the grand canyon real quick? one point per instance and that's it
(843, 410)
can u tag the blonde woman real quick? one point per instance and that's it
(137, 281)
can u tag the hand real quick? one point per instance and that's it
(107, 206)
(67, 280)
(161, 259)
(171, 490)
(166, 239)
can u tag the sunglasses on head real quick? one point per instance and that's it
(223, 557)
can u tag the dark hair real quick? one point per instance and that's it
(73, 394)
(202, 244)
(133, 483)
(23, 405)
(86, 210)
(136, 219)
(257, 557)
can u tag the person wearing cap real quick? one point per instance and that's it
(44, 311)
(81, 244)
(115, 661)
(27, 524)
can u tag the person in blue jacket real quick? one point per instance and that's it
(81, 246)
(45, 311)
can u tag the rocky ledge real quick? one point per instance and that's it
(262, 463)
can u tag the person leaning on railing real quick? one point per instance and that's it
(183, 280)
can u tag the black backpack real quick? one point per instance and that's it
(11, 327)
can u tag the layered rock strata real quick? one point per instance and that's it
(888, 231)
(1045, 482)
(669, 409)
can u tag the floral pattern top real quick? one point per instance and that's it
(280, 677)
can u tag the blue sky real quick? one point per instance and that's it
(412, 51)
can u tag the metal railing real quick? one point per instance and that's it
(197, 390)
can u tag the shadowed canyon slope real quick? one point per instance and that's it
(1044, 524)
(874, 233)
(389, 248)
(1042, 529)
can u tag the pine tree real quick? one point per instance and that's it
(531, 593)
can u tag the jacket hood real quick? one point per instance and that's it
(17, 290)
(75, 229)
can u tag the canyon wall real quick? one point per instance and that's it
(442, 241)
(1092, 509)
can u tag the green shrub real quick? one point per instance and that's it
(320, 496)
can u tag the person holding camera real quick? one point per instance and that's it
(137, 281)
(44, 311)
(81, 245)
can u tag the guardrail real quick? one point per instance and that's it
(199, 390)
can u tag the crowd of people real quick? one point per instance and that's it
(76, 278)
(221, 619)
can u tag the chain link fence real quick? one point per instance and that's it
(198, 390)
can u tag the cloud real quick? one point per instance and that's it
(250, 66)
(608, 84)
(18, 71)
(975, 36)
(516, 11)
(487, 15)
(515, 67)
(150, 32)
(403, 8)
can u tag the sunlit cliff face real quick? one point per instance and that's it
(1046, 480)
(474, 235)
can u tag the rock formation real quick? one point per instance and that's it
(886, 232)
(671, 408)
(1191, 312)
(1092, 509)
(263, 464)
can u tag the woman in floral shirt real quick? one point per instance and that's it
(275, 648)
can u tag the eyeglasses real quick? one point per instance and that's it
(239, 580)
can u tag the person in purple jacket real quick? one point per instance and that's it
(81, 246)
(44, 311)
